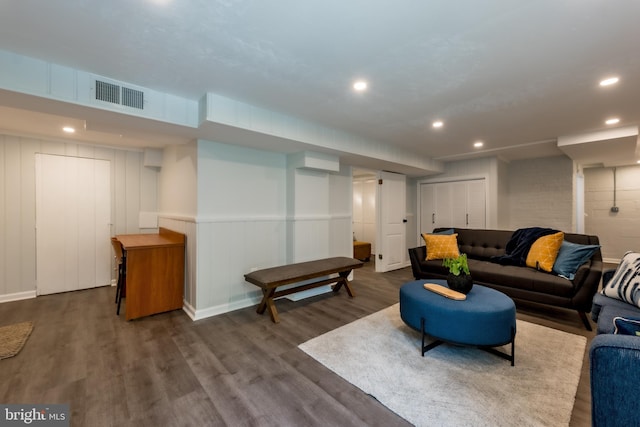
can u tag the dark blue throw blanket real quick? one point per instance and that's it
(519, 244)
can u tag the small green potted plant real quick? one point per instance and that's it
(459, 278)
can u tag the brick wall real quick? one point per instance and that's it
(618, 232)
(541, 193)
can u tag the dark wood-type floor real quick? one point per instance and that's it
(236, 369)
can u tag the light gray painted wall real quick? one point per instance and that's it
(412, 213)
(503, 213)
(179, 182)
(541, 193)
(618, 232)
(240, 225)
(242, 222)
(340, 212)
(134, 189)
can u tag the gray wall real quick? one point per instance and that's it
(133, 190)
(540, 193)
(618, 232)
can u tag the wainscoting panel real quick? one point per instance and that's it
(340, 236)
(226, 251)
(310, 239)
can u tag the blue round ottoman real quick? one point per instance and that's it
(486, 319)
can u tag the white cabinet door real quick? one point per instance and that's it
(460, 204)
(444, 212)
(427, 211)
(73, 216)
(476, 204)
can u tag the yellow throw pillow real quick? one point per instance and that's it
(441, 246)
(544, 251)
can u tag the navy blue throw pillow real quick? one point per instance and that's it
(626, 326)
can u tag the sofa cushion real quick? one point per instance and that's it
(482, 244)
(625, 283)
(441, 246)
(544, 251)
(570, 257)
(521, 278)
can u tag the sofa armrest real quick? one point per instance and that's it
(415, 256)
(614, 362)
(587, 285)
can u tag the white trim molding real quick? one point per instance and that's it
(17, 296)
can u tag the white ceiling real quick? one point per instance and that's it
(515, 74)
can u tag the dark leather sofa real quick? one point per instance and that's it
(520, 283)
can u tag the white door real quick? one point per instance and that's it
(427, 211)
(392, 207)
(369, 212)
(476, 204)
(73, 211)
(444, 212)
(459, 204)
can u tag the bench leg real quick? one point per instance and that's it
(267, 302)
(344, 281)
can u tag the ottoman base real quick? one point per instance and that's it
(485, 319)
(510, 357)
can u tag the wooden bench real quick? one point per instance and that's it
(270, 279)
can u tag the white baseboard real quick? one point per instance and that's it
(203, 313)
(17, 296)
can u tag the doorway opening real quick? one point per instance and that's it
(364, 207)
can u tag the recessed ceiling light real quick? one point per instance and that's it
(360, 85)
(613, 121)
(478, 144)
(68, 129)
(638, 161)
(609, 81)
(437, 124)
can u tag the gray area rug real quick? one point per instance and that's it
(456, 386)
(13, 337)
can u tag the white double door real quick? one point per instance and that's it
(73, 216)
(459, 204)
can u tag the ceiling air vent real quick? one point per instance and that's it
(107, 92)
(120, 95)
(132, 98)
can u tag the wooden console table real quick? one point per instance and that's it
(155, 272)
(270, 279)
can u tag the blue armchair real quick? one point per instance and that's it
(615, 380)
(614, 366)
